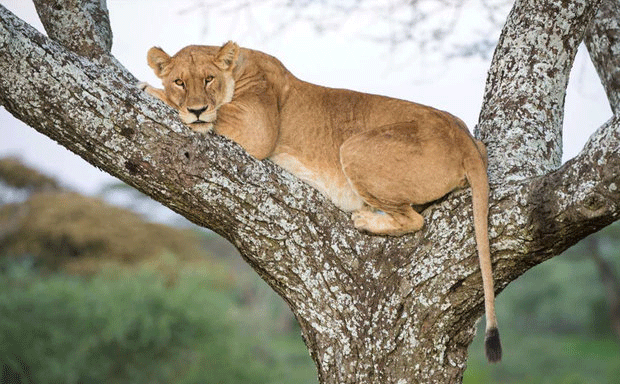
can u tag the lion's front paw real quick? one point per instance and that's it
(143, 85)
(157, 93)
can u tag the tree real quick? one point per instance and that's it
(608, 276)
(423, 26)
(372, 309)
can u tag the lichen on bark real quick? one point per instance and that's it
(526, 86)
(603, 42)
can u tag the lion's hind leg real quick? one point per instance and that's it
(399, 165)
(393, 223)
(376, 163)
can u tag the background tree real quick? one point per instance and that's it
(608, 276)
(420, 26)
(371, 309)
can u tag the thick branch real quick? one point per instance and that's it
(562, 207)
(83, 26)
(523, 107)
(603, 42)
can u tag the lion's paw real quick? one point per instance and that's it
(369, 221)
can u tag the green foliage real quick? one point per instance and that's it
(570, 300)
(132, 328)
(555, 323)
(68, 231)
(546, 358)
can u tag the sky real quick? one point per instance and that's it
(345, 58)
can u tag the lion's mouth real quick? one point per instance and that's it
(206, 117)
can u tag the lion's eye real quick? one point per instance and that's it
(180, 83)
(208, 79)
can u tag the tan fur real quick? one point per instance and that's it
(373, 155)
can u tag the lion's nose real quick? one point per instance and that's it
(197, 112)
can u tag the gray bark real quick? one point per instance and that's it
(82, 26)
(372, 309)
(603, 42)
(525, 90)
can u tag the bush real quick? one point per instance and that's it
(69, 232)
(555, 329)
(128, 328)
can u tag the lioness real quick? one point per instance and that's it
(373, 155)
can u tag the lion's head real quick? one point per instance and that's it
(197, 80)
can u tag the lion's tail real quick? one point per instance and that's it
(477, 176)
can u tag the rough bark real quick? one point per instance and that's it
(603, 42)
(372, 309)
(82, 26)
(524, 95)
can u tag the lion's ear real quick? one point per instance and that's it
(158, 60)
(226, 57)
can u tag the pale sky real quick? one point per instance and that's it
(343, 59)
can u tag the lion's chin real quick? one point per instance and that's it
(201, 126)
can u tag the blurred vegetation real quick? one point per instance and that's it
(127, 325)
(68, 230)
(555, 322)
(91, 293)
(15, 174)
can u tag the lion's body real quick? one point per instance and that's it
(367, 153)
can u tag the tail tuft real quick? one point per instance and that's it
(492, 345)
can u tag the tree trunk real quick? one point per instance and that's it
(372, 309)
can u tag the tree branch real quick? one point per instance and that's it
(565, 206)
(603, 42)
(523, 108)
(83, 26)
